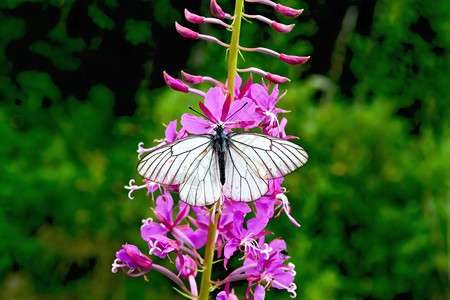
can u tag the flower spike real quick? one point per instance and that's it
(184, 157)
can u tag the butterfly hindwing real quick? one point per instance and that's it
(243, 182)
(202, 185)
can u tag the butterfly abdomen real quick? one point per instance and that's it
(220, 145)
(221, 156)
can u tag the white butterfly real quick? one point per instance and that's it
(235, 165)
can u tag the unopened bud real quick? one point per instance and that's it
(193, 18)
(287, 11)
(277, 79)
(293, 60)
(175, 84)
(192, 79)
(186, 32)
(216, 10)
(281, 27)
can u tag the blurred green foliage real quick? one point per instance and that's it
(80, 86)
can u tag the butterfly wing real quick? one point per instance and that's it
(202, 185)
(191, 163)
(252, 159)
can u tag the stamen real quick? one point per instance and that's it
(116, 264)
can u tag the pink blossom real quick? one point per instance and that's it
(241, 114)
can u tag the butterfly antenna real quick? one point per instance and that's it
(229, 117)
(199, 113)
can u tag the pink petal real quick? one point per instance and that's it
(214, 101)
(244, 114)
(260, 293)
(260, 96)
(195, 125)
(171, 131)
(246, 87)
(207, 113)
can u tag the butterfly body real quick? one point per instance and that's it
(220, 145)
(235, 165)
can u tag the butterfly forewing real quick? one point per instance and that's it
(272, 157)
(170, 163)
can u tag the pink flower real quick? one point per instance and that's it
(132, 259)
(186, 266)
(241, 114)
(265, 107)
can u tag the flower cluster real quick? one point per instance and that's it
(179, 232)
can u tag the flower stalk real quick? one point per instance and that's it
(209, 253)
(234, 47)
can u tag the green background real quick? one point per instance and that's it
(81, 84)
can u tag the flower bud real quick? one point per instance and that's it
(287, 11)
(175, 84)
(186, 32)
(216, 10)
(277, 79)
(293, 60)
(193, 18)
(192, 79)
(281, 27)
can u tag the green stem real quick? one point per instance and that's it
(212, 230)
(234, 47)
(209, 254)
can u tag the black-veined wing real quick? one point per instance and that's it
(191, 163)
(252, 159)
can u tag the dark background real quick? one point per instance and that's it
(81, 84)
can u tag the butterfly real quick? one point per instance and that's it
(235, 165)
